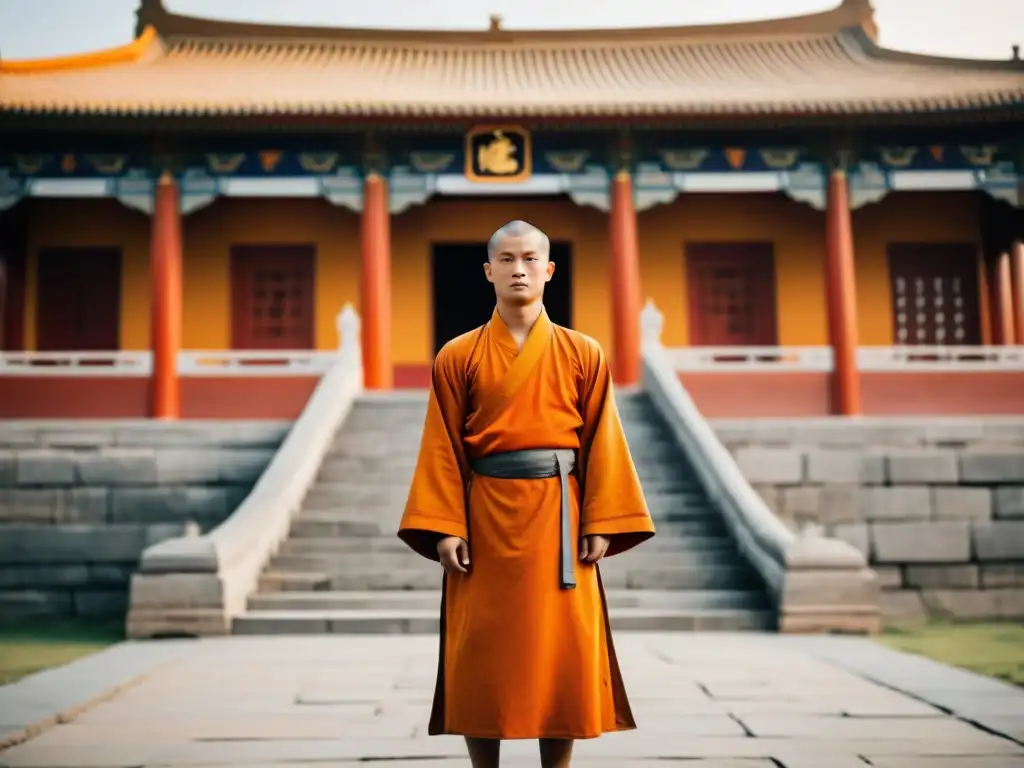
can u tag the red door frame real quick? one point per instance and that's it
(241, 259)
(941, 253)
(756, 258)
(56, 330)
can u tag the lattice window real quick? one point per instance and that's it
(935, 294)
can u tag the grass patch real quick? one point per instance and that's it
(30, 646)
(994, 649)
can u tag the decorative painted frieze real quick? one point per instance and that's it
(343, 188)
(12, 189)
(135, 191)
(418, 166)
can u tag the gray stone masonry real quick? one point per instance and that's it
(936, 504)
(79, 501)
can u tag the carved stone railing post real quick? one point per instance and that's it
(195, 585)
(817, 584)
(652, 323)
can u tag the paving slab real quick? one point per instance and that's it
(39, 701)
(701, 700)
(987, 703)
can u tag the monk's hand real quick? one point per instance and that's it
(593, 547)
(454, 554)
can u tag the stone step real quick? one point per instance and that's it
(343, 569)
(427, 622)
(375, 490)
(347, 470)
(426, 576)
(370, 420)
(327, 524)
(402, 447)
(725, 576)
(382, 543)
(656, 451)
(368, 488)
(389, 406)
(318, 525)
(430, 600)
(322, 508)
(391, 543)
(679, 484)
(333, 492)
(396, 472)
(357, 562)
(381, 446)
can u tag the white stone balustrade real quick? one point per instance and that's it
(940, 359)
(114, 363)
(196, 585)
(817, 584)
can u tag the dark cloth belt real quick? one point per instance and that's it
(536, 464)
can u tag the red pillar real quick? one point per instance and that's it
(1002, 300)
(625, 278)
(1017, 265)
(375, 284)
(842, 298)
(165, 275)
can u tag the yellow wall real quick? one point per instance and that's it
(797, 232)
(100, 223)
(907, 217)
(210, 232)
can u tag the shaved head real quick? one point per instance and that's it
(519, 229)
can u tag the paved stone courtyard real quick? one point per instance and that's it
(701, 700)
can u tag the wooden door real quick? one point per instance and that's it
(78, 304)
(731, 294)
(935, 293)
(272, 304)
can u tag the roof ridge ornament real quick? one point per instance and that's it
(149, 14)
(495, 25)
(859, 13)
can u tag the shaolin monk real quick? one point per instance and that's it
(523, 483)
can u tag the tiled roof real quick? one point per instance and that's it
(824, 63)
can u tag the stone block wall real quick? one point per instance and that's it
(79, 501)
(937, 505)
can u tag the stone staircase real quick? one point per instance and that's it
(343, 569)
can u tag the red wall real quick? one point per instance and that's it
(109, 397)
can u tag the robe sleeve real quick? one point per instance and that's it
(436, 505)
(613, 502)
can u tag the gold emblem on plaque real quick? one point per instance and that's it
(498, 154)
(498, 157)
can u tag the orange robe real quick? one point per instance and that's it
(520, 657)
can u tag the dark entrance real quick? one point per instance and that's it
(79, 300)
(464, 300)
(935, 293)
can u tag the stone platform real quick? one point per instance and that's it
(701, 700)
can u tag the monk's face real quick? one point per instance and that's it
(519, 268)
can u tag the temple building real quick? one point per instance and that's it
(827, 226)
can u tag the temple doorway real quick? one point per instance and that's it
(731, 294)
(935, 298)
(78, 295)
(463, 299)
(272, 296)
